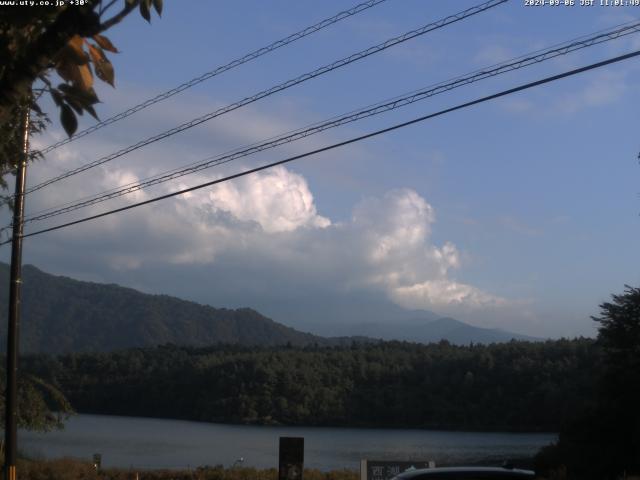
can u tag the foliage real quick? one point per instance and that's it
(41, 406)
(512, 386)
(604, 441)
(40, 46)
(619, 336)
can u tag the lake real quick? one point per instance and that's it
(146, 443)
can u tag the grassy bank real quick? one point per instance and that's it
(72, 469)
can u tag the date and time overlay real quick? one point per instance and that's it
(526, 3)
(581, 3)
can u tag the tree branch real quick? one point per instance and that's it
(104, 9)
(129, 7)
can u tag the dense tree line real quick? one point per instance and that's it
(510, 386)
(603, 440)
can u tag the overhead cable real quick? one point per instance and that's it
(218, 70)
(278, 88)
(382, 107)
(340, 144)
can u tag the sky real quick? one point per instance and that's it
(520, 213)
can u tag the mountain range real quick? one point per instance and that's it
(60, 315)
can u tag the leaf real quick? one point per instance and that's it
(68, 54)
(85, 78)
(96, 53)
(102, 65)
(57, 97)
(74, 103)
(91, 96)
(78, 99)
(157, 4)
(68, 119)
(79, 75)
(86, 97)
(73, 52)
(145, 10)
(92, 112)
(76, 43)
(105, 43)
(67, 71)
(104, 71)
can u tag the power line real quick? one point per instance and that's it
(343, 143)
(519, 62)
(371, 110)
(219, 70)
(283, 86)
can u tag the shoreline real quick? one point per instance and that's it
(330, 426)
(159, 443)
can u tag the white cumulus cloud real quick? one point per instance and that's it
(269, 220)
(395, 234)
(278, 200)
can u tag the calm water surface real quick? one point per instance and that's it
(154, 443)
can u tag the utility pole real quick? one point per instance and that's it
(11, 396)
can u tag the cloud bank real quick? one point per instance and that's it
(269, 219)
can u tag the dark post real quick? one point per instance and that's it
(11, 397)
(97, 461)
(291, 458)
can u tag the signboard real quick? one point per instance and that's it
(291, 458)
(387, 469)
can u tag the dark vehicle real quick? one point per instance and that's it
(466, 473)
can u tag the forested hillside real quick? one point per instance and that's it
(510, 386)
(65, 315)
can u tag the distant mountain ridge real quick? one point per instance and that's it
(426, 329)
(61, 315)
(363, 313)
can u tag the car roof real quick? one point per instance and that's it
(465, 472)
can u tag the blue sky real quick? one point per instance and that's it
(521, 213)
